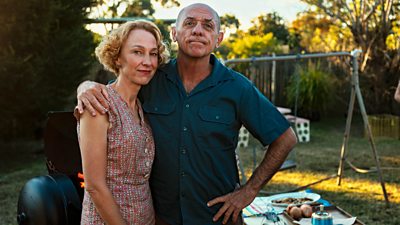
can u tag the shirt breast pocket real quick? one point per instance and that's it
(158, 108)
(217, 128)
(161, 118)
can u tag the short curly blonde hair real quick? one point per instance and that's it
(109, 48)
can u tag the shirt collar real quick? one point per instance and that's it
(219, 72)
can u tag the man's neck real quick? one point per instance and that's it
(193, 70)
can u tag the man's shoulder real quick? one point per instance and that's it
(239, 78)
(232, 74)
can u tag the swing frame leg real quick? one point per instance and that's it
(356, 92)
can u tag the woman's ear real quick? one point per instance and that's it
(118, 63)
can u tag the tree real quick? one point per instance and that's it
(229, 21)
(318, 33)
(270, 23)
(248, 45)
(142, 8)
(45, 53)
(126, 8)
(130, 8)
(374, 28)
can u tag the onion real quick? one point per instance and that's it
(306, 210)
(295, 212)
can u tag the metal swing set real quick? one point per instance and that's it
(355, 93)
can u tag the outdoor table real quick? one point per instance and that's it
(283, 110)
(285, 219)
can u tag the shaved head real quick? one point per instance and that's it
(199, 5)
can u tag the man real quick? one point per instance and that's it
(397, 93)
(196, 107)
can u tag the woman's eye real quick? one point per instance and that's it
(137, 52)
(154, 54)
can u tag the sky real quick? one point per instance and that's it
(244, 10)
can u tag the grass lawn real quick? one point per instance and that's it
(19, 162)
(359, 194)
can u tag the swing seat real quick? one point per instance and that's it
(301, 126)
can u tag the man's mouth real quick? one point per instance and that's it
(196, 42)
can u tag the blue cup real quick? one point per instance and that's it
(321, 217)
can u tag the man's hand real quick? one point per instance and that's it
(93, 96)
(234, 202)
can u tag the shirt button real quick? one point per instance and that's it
(217, 117)
(155, 109)
(184, 129)
(183, 151)
(147, 164)
(183, 174)
(146, 150)
(187, 105)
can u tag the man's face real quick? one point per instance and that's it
(197, 32)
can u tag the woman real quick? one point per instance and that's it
(117, 148)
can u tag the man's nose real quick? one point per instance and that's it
(198, 29)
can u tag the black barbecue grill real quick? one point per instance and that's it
(56, 198)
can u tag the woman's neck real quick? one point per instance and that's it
(127, 91)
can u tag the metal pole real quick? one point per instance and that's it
(348, 121)
(273, 80)
(367, 127)
(124, 19)
(288, 57)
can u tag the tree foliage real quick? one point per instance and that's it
(318, 33)
(259, 40)
(131, 8)
(248, 45)
(270, 23)
(229, 21)
(374, 28)
(127, 8)
(45, 53)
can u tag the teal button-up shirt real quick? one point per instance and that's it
(196, 135)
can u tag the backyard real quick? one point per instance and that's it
(360, 194)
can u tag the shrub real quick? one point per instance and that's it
(314, 88)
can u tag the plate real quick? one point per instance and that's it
(313, 197)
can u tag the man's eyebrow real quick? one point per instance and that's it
(206, 20)
(209, 20)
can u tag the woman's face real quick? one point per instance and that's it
(138, 58)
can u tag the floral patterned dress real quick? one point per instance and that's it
(130, 154)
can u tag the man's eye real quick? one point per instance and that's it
(189, 23)
(208, 26)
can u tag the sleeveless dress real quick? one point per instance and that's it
(130, 154)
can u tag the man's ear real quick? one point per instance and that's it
(173, 33)
(219, 38)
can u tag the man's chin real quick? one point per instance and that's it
(198, 53)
